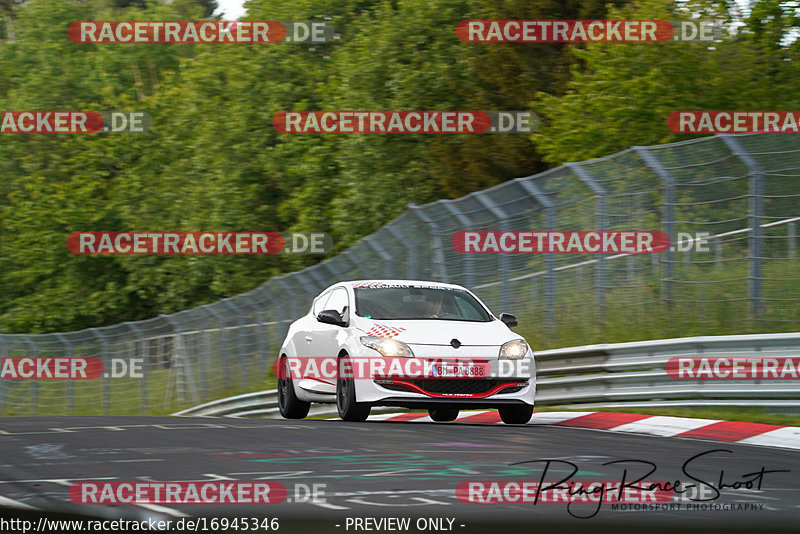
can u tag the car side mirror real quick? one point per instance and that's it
(331, 317)
(508, 319)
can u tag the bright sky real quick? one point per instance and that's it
(232, 9)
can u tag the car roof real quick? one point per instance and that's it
(379, 283)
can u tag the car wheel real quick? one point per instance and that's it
(349, 409)
(290, 406)
(516, 415)
(443, 414)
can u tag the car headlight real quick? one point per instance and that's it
(388, 347)
(514, 350)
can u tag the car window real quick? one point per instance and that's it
(338, 301)
(419, 303)
(467, 309)
(319, 305)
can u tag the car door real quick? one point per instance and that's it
(304, 336)
(325, 342)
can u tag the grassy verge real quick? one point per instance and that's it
(155, 395)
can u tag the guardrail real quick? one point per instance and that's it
(614, 375)
(633, 374)
(263, 404)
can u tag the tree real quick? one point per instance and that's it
(625, 92)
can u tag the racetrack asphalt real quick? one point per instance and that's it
(390, 469)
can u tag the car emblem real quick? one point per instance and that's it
(455, 343)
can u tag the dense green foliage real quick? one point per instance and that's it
(213, 161)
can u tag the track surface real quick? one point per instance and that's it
(376, 469)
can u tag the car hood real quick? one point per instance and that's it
(439, 331)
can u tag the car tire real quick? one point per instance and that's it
(289, 405)
(443, 414)
(349, 409)
(516, 414)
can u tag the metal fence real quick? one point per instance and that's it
(743, 190)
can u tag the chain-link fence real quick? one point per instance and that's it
(742, 190)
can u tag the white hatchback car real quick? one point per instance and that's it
(405, 343)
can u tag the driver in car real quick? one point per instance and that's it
(433, 305)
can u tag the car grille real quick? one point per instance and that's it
(455, 386)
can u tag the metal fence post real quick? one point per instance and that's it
(70, 383)
(242, 351)
(287, 290)
(206, 357)
(181, 360)
(273, 332)
(756, 192)
(311, 273)
(385, 257)
(501, 215)
(469, 258)
(333, 272)
(602, 224)
(290, 294)
(411, 257)
(34, 383)
(145, 367)
(438, 252)
(355, 263)
(261, 345)
(792, 236)
(222, 343)
(549, 259)
(652, 161)
(106, 385)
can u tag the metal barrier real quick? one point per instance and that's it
(618, 375)
(263, 404)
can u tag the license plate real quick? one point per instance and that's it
(459, 370)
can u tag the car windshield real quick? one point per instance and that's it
(412, 302)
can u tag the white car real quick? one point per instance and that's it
(412, 344)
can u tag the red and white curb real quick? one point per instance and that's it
(787, 437)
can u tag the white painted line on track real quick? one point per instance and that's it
(11, 503)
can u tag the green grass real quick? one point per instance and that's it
(157, 395)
